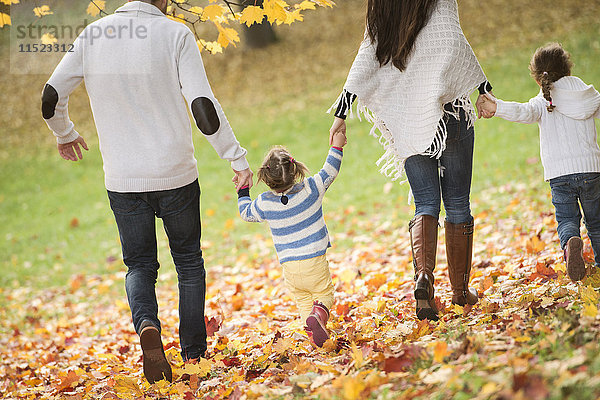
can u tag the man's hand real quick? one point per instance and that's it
(242, 178)
(339, 125)
(484, 105)
(71, 151)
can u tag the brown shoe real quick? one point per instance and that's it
(156, 366)
(317, 324)
(574, 259)
(459, 251)
(423, 238)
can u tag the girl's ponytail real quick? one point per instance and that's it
(546, 85)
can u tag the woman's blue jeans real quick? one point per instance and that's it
(448, 178)
(568, 193)
(135, 214)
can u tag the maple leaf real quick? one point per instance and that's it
(95, 7)
(293, 16)
(283, 344)
(212, 325)
(213, 11)
(67, 381)
(252, 15)
(42, 10)
(125, 385)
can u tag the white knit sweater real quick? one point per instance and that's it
(407, 106)
(139, 69)
(568, 138)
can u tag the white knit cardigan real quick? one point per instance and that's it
(407, 107)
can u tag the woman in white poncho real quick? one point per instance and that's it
(412, 77)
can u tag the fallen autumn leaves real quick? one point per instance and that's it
(533, 335)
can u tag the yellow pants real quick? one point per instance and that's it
(309, 280)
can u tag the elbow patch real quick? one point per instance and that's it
(49, 101)
(205, 115)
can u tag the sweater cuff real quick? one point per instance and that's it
(501, 109)
(485, 87)
(244, 192)
(68, 138)
(240, 164)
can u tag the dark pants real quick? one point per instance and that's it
(135, 214)
(453, 184)
(568, 192)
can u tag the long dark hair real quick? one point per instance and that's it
(394, 25)
(548, 64)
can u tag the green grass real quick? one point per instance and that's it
(55, 219)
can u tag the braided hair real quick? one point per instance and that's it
(548, 64)
(280, 171)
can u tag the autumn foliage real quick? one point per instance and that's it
(533, 333)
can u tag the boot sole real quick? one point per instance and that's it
(425, 311)
(575, 262)
(156, 366)
(319, 333)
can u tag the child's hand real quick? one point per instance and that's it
(339, 125)
(338, 138)
(486, 105)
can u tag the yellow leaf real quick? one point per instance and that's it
(293, 16)
(210, 212)
(282, 345)
(306, 5)
(95, 7)
(357, 355)
(589, 295)
(9, 2)
(274, 11)
(48, 38)
(589, 310)
(4, 19)
(227, 36)
(440, 350)
(252, 15)
(41, 11)
(211, 47)
(202, 368)
(126, 385)
(213, 11)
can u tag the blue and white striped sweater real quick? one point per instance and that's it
(298, 227)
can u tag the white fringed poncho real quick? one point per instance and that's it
(407, 107)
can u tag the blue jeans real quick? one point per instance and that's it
(568, 193)
(429, 185)
(135, 214)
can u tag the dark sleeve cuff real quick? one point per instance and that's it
(244, 192)
(343, 107)
(485, 87)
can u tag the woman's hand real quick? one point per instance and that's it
(338, 139)
(339, 125)
(486, 105)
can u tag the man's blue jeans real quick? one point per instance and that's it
(135, 214)
(568, 192)
(449, 179)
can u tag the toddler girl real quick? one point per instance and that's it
(565, 110)
(293, 210)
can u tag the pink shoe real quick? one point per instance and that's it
(316, 324)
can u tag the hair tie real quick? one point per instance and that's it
(292, 160)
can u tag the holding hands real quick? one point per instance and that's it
(486, 105)
(337, 133)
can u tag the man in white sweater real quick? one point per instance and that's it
(140, 68)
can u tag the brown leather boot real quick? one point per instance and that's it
(459, 251)
(317, 324)
(423, 239)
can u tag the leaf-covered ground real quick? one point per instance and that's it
(533, 334)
